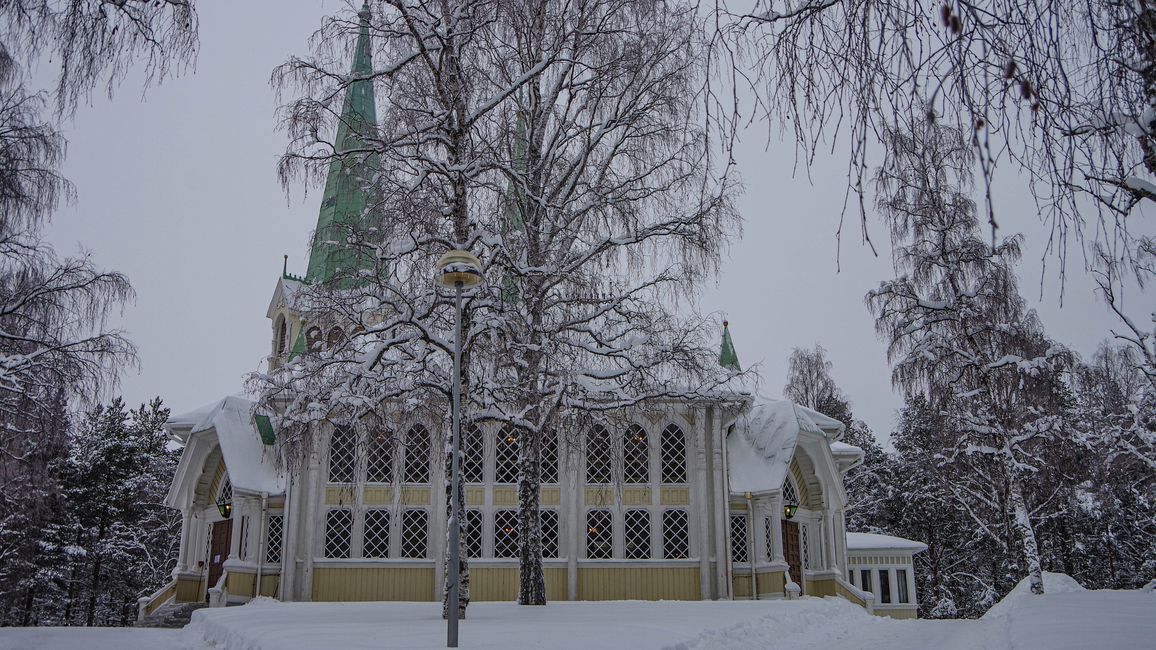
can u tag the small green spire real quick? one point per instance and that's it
(727, 357)
(346, 196)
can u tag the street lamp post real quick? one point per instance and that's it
(460, 270)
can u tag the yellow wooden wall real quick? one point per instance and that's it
(501, 583)
(190, 590)
(373, 583)
(638, 583)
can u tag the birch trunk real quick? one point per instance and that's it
(531, 576)
(1022, 524)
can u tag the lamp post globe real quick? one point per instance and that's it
(457, 270)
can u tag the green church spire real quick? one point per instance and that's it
(344, 202)
(727, 357)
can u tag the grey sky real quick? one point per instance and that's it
(179, 192)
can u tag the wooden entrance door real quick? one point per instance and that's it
(792, 551)
(218, 551)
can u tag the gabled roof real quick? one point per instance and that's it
(760, 448)
(250, 463)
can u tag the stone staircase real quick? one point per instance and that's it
(172, 615)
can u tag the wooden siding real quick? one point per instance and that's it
(741, 585)
(505, 496)
(599, 496)
(636, 497)
(550, 496)
(475, 496)
(675, 496)
(410, 583)
(377, 496)
(823, 587)
(771, 582)
(638, 583)
(501, 583)
(190, 590)
(240, 583)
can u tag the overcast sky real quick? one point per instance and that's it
(179, 191)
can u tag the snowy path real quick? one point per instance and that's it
(1056, 621)
(87, 638)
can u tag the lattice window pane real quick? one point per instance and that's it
(805, 543)
(673, 455)
(338, 531)
(549, 533)
(739, 538)
(636, 455)
(273, 536)
(675, 535)
(379, 464)
(549, 458)
(473, 533)
(473, 455)
(769, 530)
(417, 455)
(341, 448)
(506, 533)
(790, 494)
(376, 539)
(637, 534)
(414, 533)
(598, 455)
(599, 535)
(506, 456)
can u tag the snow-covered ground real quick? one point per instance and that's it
(1066, 617)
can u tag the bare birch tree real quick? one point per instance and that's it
(566, 145)
(958, 331)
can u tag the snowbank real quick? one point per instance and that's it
(1054, 583)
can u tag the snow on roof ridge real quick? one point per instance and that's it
(250, 463)
(875, 541)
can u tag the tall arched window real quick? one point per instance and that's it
(473, 455)
(313, 339)
(379, 461)
(335, 338)
(506, 455)
(417, 455)
(790, 492)
(635, 455)
(282, 344)
(341, 448)
(598, 455)
(549, 459)
(673, 455)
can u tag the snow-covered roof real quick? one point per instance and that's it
(844, 449)
(877, 542)
(760, 448)
(285, 291)
(249, 461)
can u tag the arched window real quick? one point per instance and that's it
(313, 339)
(506, 455)
(673, 455)
(341, 448)
(790, 492)
(636, 455)
(473, 455)
(379, 464)
(282, 341)
(335, 338)
(417, 455)
(598, 455)
(549, 459)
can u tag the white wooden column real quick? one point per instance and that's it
(829, 541)
(777, 527)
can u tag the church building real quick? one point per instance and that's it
(736, 497)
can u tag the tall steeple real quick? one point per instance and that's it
(727, 357)
(344, 202)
